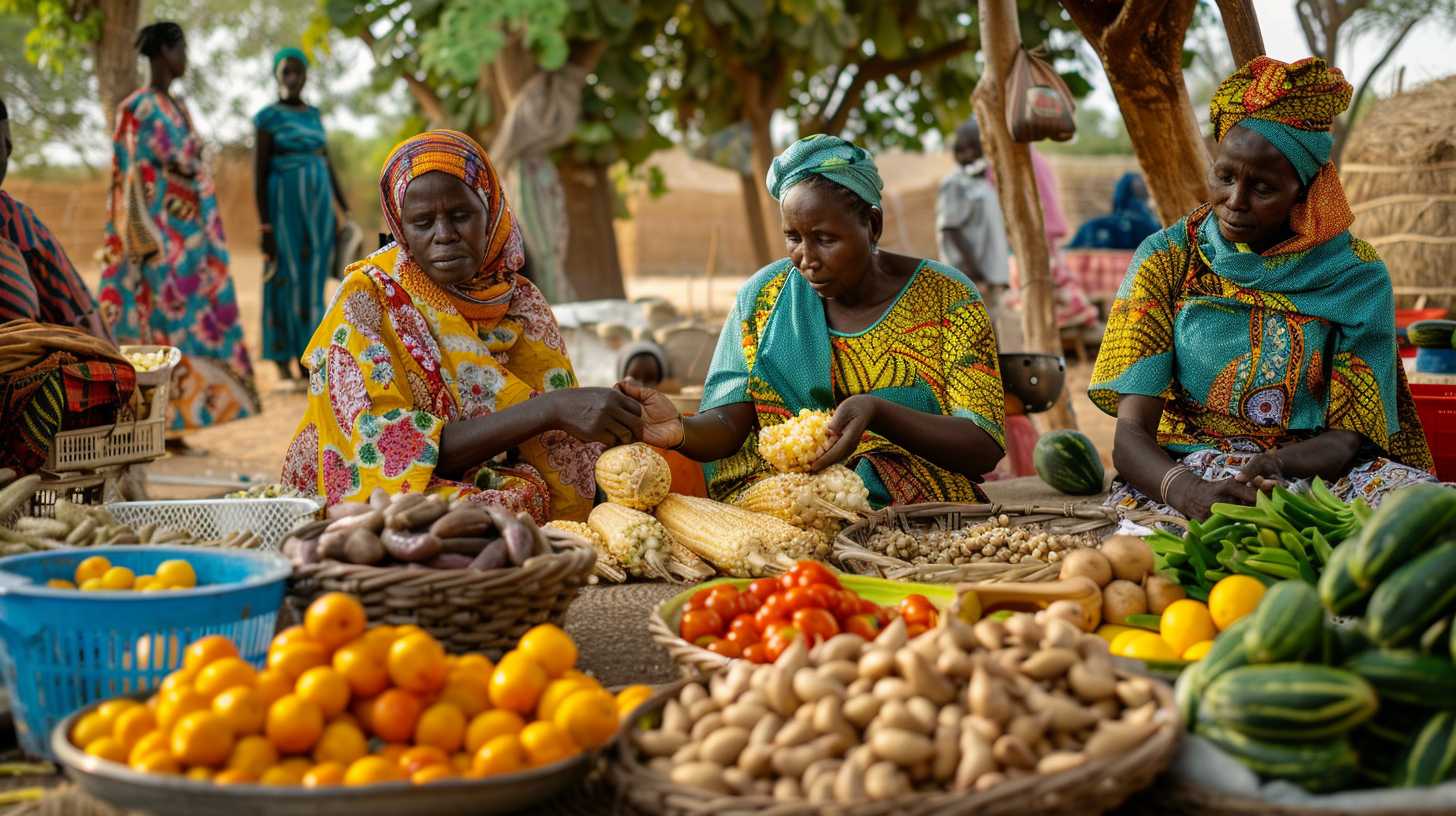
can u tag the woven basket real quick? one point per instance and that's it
(851, 550)
(1095, 787)
(466, 610)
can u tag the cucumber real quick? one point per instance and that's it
(1432, 755)
(1228, 652)
(1286, 625)
(1407, 676)
(1288, 701)
(1413, 596)
(1317, 766)
(1404, 525)
(1337, 588)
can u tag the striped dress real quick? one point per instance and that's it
(37, 280)
(300, 206)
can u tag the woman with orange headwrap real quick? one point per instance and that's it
(439, 369)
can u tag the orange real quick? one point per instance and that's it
(181, 678)
(92, 585)
(111, 709)
(202, 738)
(460, 762)
(204, 651)
(174, 705)
(156, 762)
(421, 757)
(433, 773)
(474, 663)
(234, 776)
(144, 583)
(93, 567)
(223, 674)
(362, 665)
(254, 755)
(517, 683)
(153, 743)
(501, 755)
(371, 770)
(1185, 623)
(442, 726)
(1233, 598)
(379, 638)
(283, 775)
(294, 724)
(90, 728)
(362, 710)
(242, 708)
(341, 742)
(588, 717)
(108, 748)
(545, 743)
(118, 578)
(324, 774)
(271, 685)
(490, 725)
(293, 659)
(176, 573)
(393, 751)
(334, 619)
(550, 647)
(293, 634)
(132, 725)
(556, 692)
(394, 713)
(417, 663)
(199, 774)
(60, 583)
(631, 697)
(467, 691)
(325, 687)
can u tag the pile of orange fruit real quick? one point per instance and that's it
(341, 703)
(96, 574)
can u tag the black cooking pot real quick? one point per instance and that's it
(1035, 379)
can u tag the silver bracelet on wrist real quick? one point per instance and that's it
(1169, 477)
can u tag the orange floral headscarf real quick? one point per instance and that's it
(486, 297)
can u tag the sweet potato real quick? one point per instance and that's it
(410, 547)
(449, 560)
(363, 547)
(492, 557)
(463, 522)
(415, 517)
(520, 542)
(379, 499)
(331, 546)
(466, 546)
(371, 520)
(345, 509)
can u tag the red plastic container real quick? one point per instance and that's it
(1436, 403)
(1405, 317)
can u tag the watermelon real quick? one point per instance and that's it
(1432, 333)
(1068, 461)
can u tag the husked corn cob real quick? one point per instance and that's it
(607, 567)
(634, 538)
(685, 565)
(787, 496)
(842, 488)
(738, 542)
(634, 476)
(792, 445)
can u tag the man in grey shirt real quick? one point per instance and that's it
(971, 232)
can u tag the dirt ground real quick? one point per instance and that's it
(251, 451)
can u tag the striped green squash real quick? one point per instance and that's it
(1337, 587)
(1287, 625)
(1288, 701)
(1407, 676)
(1228, 652)
(1068, 461)
(1413, 596)
(1405, 524)
(1317, 766)
(1432, 755)
(1431, 333)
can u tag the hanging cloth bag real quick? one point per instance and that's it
(1038, 103)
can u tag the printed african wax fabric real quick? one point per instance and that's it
(394, 361)
(933, 350)
(301, 209)
(166, 280)
(46, 288)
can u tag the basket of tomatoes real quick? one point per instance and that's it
(729, 618)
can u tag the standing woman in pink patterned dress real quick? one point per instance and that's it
(166, 276)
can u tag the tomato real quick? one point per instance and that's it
(788, 581)
(809, 573)
(761, 588)
(725, 647)
(824, 595)
(699, 600)
(772, 611)
(748, 602)
(799, 598)
(914, 630)
(843, 605)
(742, 626)
(816, 624)
(700, 622)
(917, 609)
(867, 606)
(756, 652)
(886, 614)
(866, 626)
(723, 599)
(780, 640)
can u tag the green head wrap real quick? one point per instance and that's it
(843, 163)
(285, 53)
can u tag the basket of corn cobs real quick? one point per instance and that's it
(475, 577)
(955, 543)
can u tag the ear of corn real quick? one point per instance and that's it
(843, 489)
(822, 503)
(633, 476)
(634, 538)
(736, 541)
(685, 565)
(793, 445)
(607, 567)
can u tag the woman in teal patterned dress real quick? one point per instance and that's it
(295, 188)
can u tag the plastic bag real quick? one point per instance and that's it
(1038, 103)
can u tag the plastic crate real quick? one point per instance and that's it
(139, 439)
(63, 649)
(1436, 403)
(270, 519)
(78, 488)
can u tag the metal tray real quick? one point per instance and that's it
(127, 789)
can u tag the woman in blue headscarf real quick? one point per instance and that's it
(901, 349)
(295, 187)
(1126, 226)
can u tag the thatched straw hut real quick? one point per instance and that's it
(1399, 170)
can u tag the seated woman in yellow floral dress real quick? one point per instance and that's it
(439, 369)
(900, 348)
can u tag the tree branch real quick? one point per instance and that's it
(875, 69)
(1379, 65)
(424, 95)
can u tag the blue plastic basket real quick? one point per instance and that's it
(62, 649)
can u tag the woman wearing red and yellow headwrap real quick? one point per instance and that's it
(1253, 342)
(438, 368)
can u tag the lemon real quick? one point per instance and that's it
(1233, 598)
(1198, 650)
(1147, 646)
(1119, 643)
(1110, 631)
(1185, 623)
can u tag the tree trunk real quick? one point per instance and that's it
(753, 212)
(1140, 44)
(763, 156)
(593, 265)
(1016, 189)
(1241, 23)
(116, 59)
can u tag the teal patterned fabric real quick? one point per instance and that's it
(842, 162)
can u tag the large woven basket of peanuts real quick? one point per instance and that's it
(1025, 715)
(958, 543)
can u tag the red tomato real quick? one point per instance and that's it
(700, 622)
(744, 625)
(748, 603)
(866, 606)
(816, 624)
(772, 611)
(917, 609)
(723, 599)
(780, 640)
(761, 588)
(824, 595)
(808, 573)
(699, 600)
(866, 626)
(788, 581)
(756, 652)
(725, 647)
(799, 598)
(886, 614)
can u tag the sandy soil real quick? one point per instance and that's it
(251, 450)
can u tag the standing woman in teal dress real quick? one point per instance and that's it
(165, 278)
(295, 186)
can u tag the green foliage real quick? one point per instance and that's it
(1098, 134)
(62, 33)
(68, 118)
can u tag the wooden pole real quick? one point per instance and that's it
(1016, 190)
(1241, 23)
